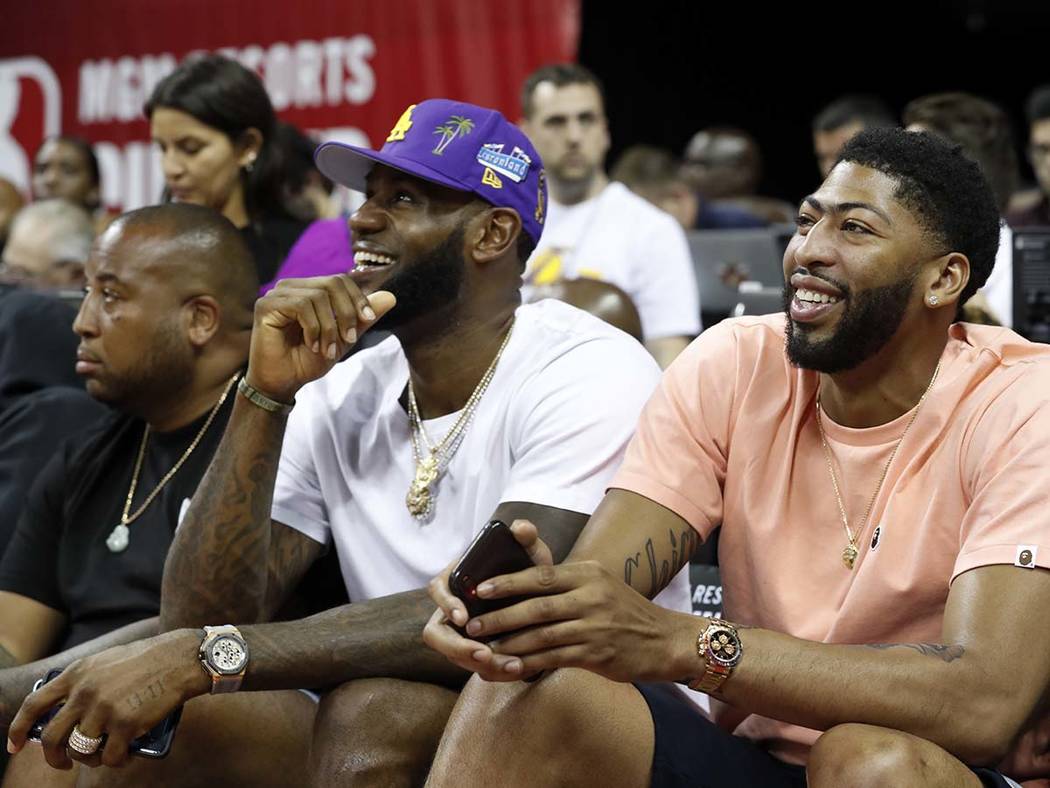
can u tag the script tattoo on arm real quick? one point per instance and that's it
(942, 652)
(660, 566)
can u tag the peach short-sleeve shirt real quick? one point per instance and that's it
(730, 438)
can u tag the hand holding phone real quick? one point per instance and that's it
(493, 552)
(155, 743)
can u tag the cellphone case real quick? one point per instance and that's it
(493, 552)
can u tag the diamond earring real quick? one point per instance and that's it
(933, 300)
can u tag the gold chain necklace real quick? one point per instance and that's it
(117, 541)
(420, 497)
(850, 553)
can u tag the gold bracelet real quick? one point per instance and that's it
(260, 400)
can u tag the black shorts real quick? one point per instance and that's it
(691, 751)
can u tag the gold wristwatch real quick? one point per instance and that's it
(224, 656)
(718, 645)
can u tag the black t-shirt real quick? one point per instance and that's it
(30, 429)
(58, 555)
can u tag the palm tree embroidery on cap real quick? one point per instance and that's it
(454, 127)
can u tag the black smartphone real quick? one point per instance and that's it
(155, 743)
(493, 552)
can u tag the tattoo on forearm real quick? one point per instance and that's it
(377, 638)
(152, 691)
(225, 541)
(945, 653)
(682, 546)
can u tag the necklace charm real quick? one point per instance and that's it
(419, 499)
(849, 556)
(117, 541)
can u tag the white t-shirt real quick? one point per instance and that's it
(619, 237)
(551, 429)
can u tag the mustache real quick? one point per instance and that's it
(803, 271)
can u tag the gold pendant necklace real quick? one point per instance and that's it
(118, 539)
(420, 497)
(851, 551)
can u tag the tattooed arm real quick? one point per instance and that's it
(971, 693)
(228, 561)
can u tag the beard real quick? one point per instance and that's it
(163, 370)
(869, 320)
(426, 285)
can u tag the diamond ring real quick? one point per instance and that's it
(85, 745)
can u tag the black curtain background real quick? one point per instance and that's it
(671, 67)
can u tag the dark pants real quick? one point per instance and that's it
(693, 752)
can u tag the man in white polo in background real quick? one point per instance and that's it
(601, 230)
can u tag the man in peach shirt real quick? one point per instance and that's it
(879, 474)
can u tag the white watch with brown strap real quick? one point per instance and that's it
(718, 645)
(224, 656)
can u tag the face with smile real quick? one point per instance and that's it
(133, 343)
(409, 239)
(851, 270)
(201, 164)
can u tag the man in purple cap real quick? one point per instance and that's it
(477, 408)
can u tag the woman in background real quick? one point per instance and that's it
(215, 127)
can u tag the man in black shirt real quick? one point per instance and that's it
(164, 332)
(42, 400)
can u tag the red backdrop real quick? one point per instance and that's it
(341, 68)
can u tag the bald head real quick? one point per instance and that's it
(192, 249)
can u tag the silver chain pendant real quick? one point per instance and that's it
(117, 541)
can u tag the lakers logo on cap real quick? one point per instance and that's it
(404, 123)
(491, 179)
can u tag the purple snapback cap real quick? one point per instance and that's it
(461, 146)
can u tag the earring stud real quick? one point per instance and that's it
(933, 300)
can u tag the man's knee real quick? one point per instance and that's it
(562, 699)
(256, 738)
(378, 731)
(865, 756)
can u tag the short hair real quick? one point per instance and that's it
(559, 75)
(980, 127)
(944, 188)
(869, 111)
(67, 226)
(646, 167)
(206, 243)
(1038, 105)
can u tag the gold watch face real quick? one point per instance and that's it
(723, 647)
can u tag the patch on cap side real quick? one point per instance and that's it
(514, 165)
